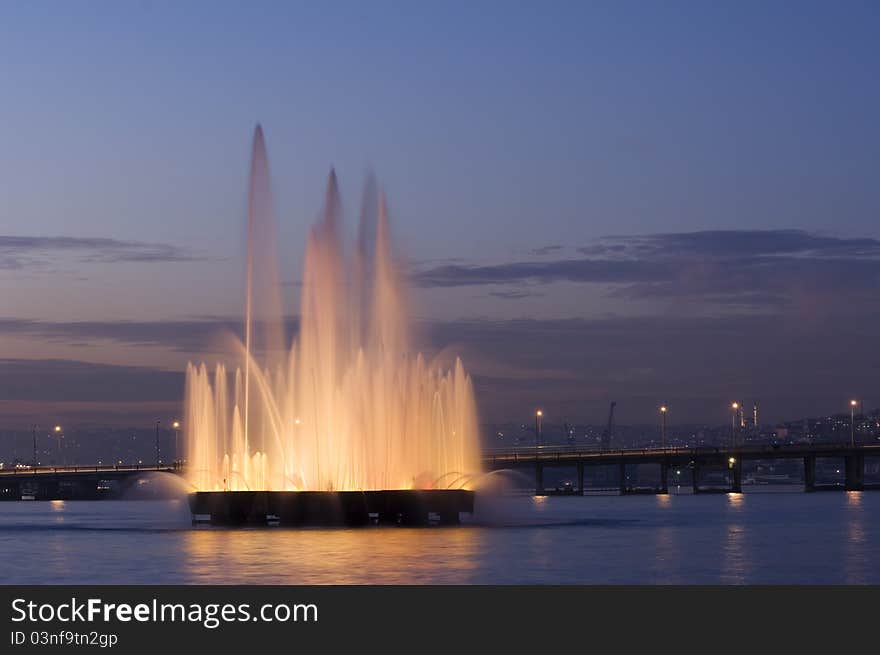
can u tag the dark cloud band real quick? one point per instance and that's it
(758, 268)
(18, 252)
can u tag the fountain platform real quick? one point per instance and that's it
(409, 507)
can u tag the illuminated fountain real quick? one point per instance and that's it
(348, 407)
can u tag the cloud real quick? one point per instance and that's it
(739, 243)
(575, 367)
(183, 336)
(18, 252)
(566, 270)
(51, 380)
(545, 250)
(513, 294)
(571, 367)
(190, 337)
(747, 268)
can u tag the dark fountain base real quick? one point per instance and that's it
(331, 508)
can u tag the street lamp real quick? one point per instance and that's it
(539, 415)
(157, 443)
(734, 407)
(34, 434)
(176, 426)
(57, 431)
(663, 410)
(852, 422)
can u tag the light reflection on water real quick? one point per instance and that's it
(344, 556)
(735, 552)
(725, 538)
(854, 558)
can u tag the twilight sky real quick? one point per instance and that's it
(646, 202)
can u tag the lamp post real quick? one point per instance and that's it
(157, 444)
(734, 407)
(34, 434)
(538, 416)
(852, 422)
(663, 410)
(57, 431)
(176, 426)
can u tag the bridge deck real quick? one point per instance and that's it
(87, 469)
(549, 455)
(113, 481)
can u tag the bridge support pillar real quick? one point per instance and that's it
(580, 473)
(664, 477)
(539, 479)
(810, 473)
(855, 472)
(736, 474)
(622, 475)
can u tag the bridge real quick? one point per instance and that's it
(94, 482)
(699, 461)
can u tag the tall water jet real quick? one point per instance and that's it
(348, 406)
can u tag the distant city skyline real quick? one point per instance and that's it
(676, 205)
(123, 443)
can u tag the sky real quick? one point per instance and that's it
(634, 201)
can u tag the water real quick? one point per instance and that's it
(349, 405)
(758, 537)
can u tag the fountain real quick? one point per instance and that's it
(347, 422)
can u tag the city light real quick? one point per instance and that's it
(539, 413)
(57, 428)
(663, 409)
(175, 425)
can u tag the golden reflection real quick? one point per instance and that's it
(856, 560)
(335, 556)
(542, 545)
(57, 508)
(59, 557)
(667, 555)
(856, 532)
(663, 500)
(735, 560)
(736, 499)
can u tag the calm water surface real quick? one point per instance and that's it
(831, 537)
